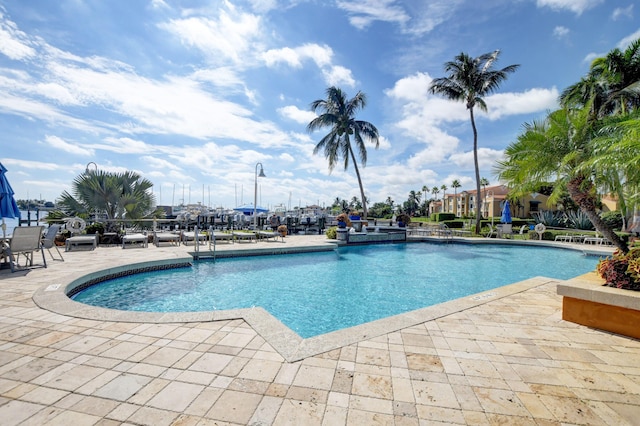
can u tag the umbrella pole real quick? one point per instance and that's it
(4, 229)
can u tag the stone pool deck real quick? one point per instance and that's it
(494, 358)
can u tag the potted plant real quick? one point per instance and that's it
(403, 220)
(343, 220)
(61, 237)
(282, 229)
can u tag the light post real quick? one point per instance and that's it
(87, 171)
(255, 195)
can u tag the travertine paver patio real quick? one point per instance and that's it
(510, 360)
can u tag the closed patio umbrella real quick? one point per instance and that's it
(506, 212)
(8, 206)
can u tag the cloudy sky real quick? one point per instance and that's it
(192, 94)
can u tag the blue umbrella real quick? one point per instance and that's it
(506, 213)
(247, 209)
(8, 206)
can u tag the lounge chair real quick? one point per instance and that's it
(188, 236)
(135, 240)
(268, 235)
(222, 236)
(49, 241)
(25, 240)
(524, 230)
(81, 240)
(241, 236)
(166, 237)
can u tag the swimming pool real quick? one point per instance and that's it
(315, 293)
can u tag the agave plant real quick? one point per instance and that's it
(577, 219)
(549, 218)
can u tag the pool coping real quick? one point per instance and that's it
(292, 347)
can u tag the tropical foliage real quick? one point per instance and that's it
(588, 146)
(622, 270)
(338, 113)
(115, 195)
(577, 219)
(470, 80)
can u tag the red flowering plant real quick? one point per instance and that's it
(621, 270)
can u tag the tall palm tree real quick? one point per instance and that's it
(444, 194)
(338, 113)
(435, 191)
(413, 202)
(484, 182)
(455, 185)
(469, 80)
(558, 149)
(424, 191)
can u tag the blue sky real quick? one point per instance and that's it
(192, 94)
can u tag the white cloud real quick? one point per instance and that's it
(13, 42)
(62, 145)
(233, 36)
(622, 12)
(427, 15)
(486, 158)
(294, 57)
(286, 55)
(625, 42)
(320, 55)
(533, 100)
(430, 119)
(560, 32)
(162, 164)
(296, 114)
(287, 158)
(338, 76)
(158, 4)
(364, 12)
(575, 6)
(414, 18)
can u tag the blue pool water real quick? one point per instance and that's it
(315, 293)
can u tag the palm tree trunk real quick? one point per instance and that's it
(364, 201)
(477, 167)
(581, 192)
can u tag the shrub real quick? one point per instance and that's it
(95, 228)
(621, 270)
(578, 219)
(549, 218)
(441, 217)
(332, 233)
(454, 224)
(404, 218)
(613, 220)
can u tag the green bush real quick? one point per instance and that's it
(454, 224)
(577, 219)
(613, 220)
(441, 217)
(95, 228)
(332, 233)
